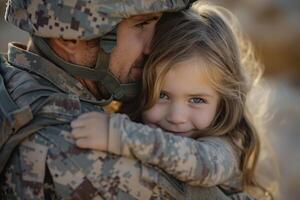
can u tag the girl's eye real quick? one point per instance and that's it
(163, 95)
(197, 100)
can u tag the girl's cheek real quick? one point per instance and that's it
(200, 119)
(152, 115)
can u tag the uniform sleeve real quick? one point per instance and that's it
(204, 162)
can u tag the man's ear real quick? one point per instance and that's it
(67, 46)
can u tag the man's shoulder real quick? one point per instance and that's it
(28, 88)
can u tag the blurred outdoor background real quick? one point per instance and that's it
(274, 28)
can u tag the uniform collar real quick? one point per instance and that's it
(34, 63)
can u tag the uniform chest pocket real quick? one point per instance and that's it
(61, 107)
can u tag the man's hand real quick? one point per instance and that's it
(90, 130)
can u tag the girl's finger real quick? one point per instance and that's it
(77, 124)
(81, 122)
(78, 133)
(88, 115)
(83, 143)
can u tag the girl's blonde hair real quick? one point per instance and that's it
(209, 33)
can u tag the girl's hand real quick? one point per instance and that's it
(90, 130)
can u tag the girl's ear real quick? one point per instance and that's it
(68, 46)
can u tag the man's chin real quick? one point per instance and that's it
(135, 74)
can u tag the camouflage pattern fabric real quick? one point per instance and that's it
(71, 173)
(47, 165)
(80, 19)
(207, 161)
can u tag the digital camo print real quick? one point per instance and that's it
(80, 19)
(71, 173)
(47, 165)
(208, 161)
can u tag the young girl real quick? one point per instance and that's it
(195, 85)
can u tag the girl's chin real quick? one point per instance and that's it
(183, 134)
(153, 125)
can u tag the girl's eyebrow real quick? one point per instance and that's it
(200, 95)
(192, 94)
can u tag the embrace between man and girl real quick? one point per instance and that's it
(190, 120)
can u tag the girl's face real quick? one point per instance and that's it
(187, 102)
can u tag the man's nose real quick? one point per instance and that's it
(147, 48)
(177, 115)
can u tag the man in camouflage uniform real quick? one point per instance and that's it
(57, 77)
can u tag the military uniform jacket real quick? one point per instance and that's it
(47, 164)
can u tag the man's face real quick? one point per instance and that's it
(134, 37)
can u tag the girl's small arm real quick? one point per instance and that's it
(207, 161)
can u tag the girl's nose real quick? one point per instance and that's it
(177, 115)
